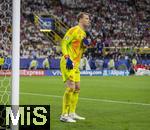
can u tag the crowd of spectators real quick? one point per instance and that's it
(115, 25)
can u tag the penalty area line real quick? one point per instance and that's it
(88, 99)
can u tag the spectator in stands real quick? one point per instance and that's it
(46, 64)
(111, 64)
(33, 64)
(92, 62)
(83, 62)
(134, 61)
(99, 63)
(2, 60)
(84, 65)
(131, 70)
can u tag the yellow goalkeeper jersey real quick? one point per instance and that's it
(72, 44)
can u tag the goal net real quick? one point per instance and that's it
(5, 55)
(5, 50)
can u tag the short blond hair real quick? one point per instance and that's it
(81, 14)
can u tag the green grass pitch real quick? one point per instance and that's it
(108, 103)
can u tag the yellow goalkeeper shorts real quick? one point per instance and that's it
(73, 75)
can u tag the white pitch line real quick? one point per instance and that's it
(88, 99)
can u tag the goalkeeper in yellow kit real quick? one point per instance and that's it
(73, 45)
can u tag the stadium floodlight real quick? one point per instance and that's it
(15, 57)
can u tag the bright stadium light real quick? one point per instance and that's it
(15, 56)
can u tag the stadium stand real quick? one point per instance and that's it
(120, 29)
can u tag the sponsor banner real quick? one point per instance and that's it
(93, 73)
(23, 72)
(46, 23)
(115, 73)
(105, 73)
(52, 73)
(58, 73)
(32, 72)
(5, 72)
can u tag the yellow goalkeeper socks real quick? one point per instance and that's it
(67, 100)
(74, 102)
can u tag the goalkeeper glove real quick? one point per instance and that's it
(69, 63)
(86, 42)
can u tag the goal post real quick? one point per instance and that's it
(15, 57)
(15, 52)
